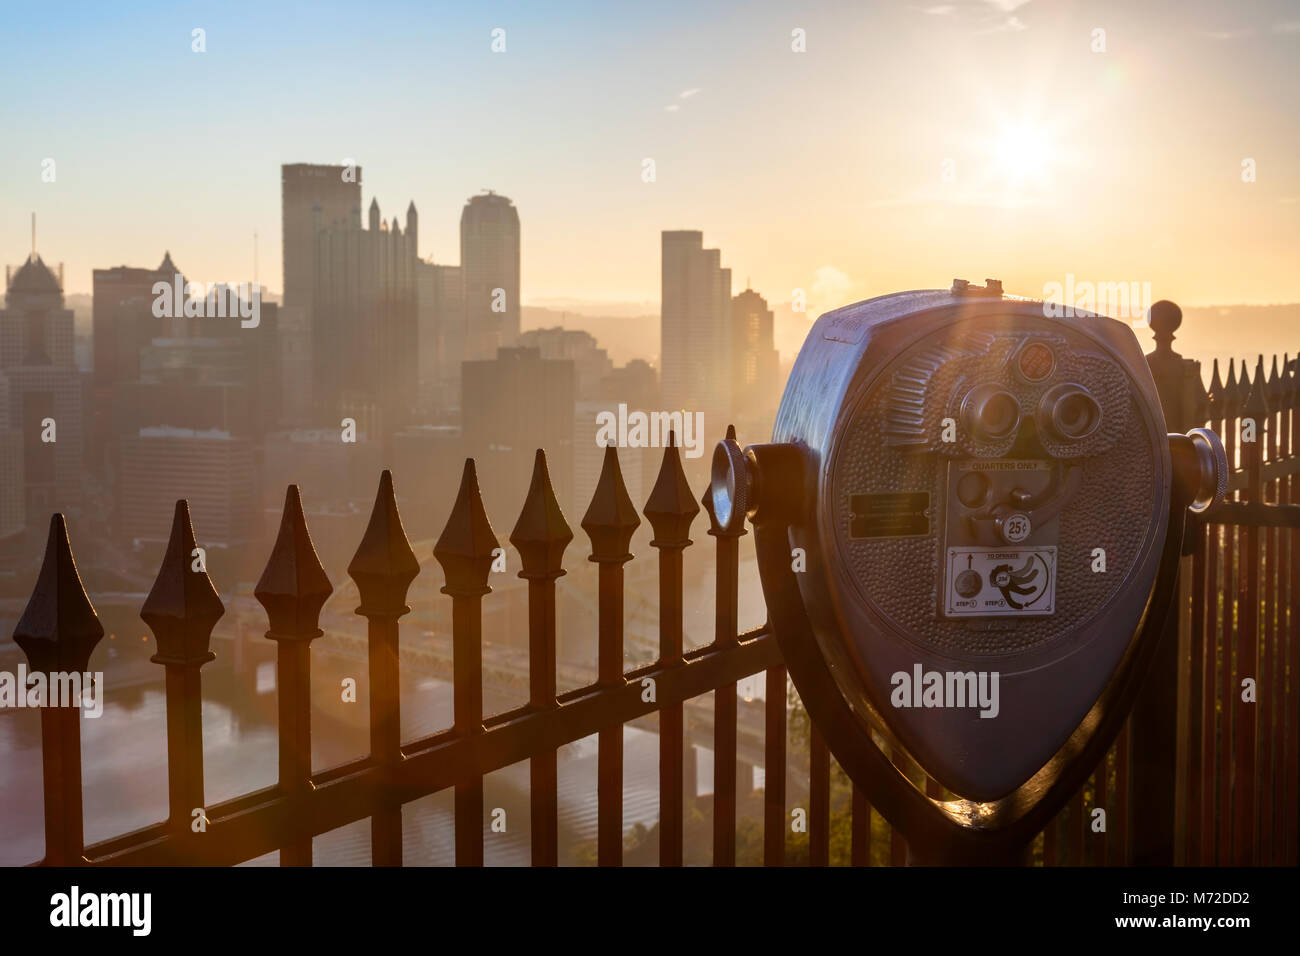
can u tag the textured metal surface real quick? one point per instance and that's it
(1112, 510)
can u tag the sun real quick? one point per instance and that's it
(1023, 155)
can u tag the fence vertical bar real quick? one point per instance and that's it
(181, 610)
(819, 800)
(1076, 828)
(1291, 696)
(1269, 683)
(1100, 786)
(774, 769)
(57, 632)
(1209, 695)
(1234, 394)
(860, 834)
(465, 550)
(897, 843)
(725, 632)
(1049, 841)
(540, 536)
(383, 568)
(292, 589)
(670, 509)
(1196, 685)
(610, 522)
(1212, 538)
(1121, 854)
(1247, 650)
(1286, 620)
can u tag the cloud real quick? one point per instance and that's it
(1009, 25)
(830, 289)
(672, 107)
(1287, 26)
(1228, 34)
(986, 200)
(687, 94)
(981, 13)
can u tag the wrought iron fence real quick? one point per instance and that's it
(1231, 789)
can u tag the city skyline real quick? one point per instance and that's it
(843, 196)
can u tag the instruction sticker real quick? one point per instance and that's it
(984, 582)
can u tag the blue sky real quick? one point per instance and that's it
(810, 168)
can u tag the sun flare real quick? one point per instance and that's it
(1023, 155)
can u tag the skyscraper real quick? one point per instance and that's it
(112, 288)
(311, 193)
(365, 321)
(695, 329)
(44, 389)
(755, 364)
(489, 260)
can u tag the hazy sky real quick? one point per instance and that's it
(822, 170)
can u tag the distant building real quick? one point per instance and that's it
(312, 194)
(639, 466)
(122, 323)
(44, 401)
(634, 383)
(695, 329)
(113, 288)
(331, 472)
(511, 406)
(427, 462)
(440, 291)
(636, 386)
(337, 480)
(590, 362)
(13, 508)
(755, 363)
(365, 322)
(212, 469)
(224, 383)
(296, 400)
(209, 386)
(489, 260)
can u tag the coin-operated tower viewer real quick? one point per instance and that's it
(990, 514)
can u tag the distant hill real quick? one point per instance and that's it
(628, 336)
(631, 330)
(1235, 331)
(1207, 333)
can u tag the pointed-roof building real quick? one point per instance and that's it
(365, 325)
(34, 277)
(40, 395)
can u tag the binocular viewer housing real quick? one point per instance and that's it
(980, 494)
